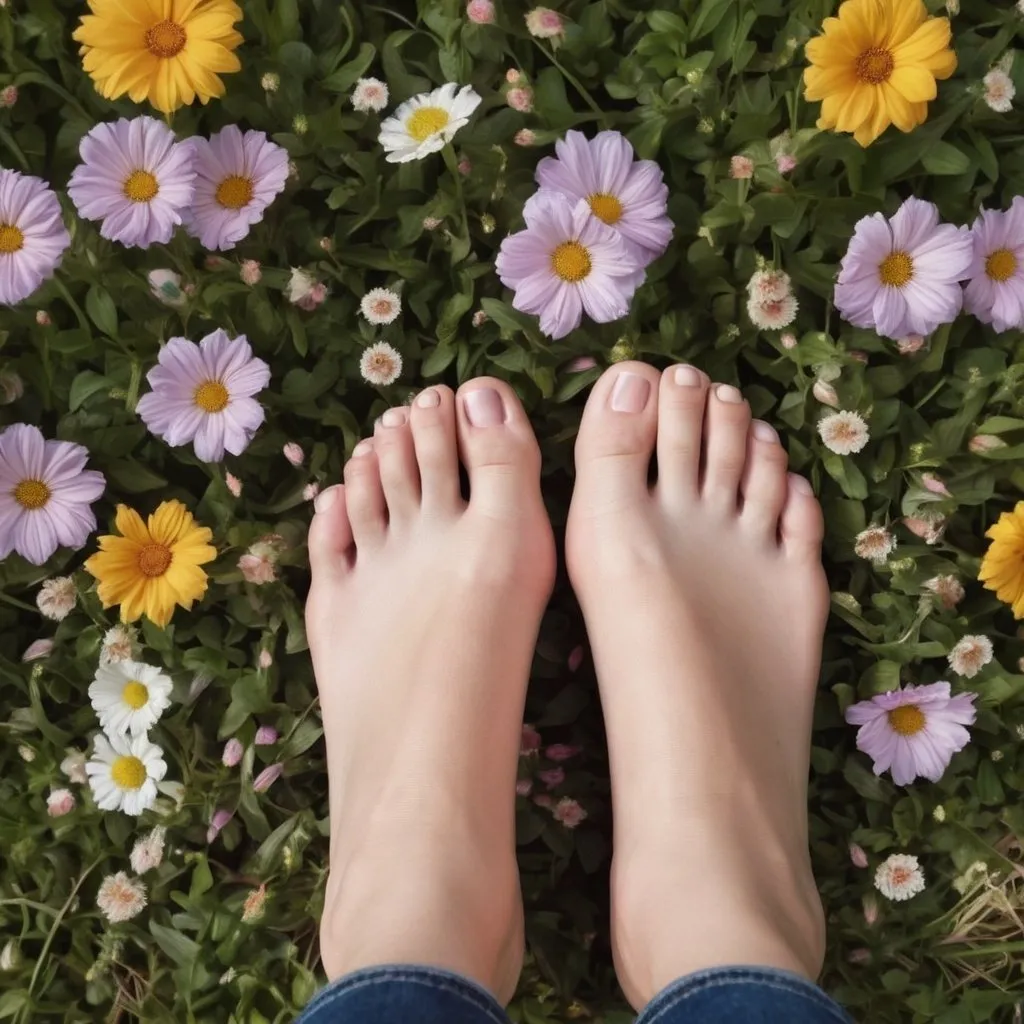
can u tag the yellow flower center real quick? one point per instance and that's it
(1001, 265)
(31, 494)
(896, 269)
(427, 121)
(874, 66)
(140, 186)
(11, 238)
(166, 39)
(135, 694)
(211, 396)
(154, 559)
(128, 772)
(571, 262)
(605, 207)
(234, 192)
(907, 720)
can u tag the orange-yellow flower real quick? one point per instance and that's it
(151, 568)
(876, 64)
(1002, 568)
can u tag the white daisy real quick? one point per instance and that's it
(999, 91)
(370, 94)
(424, 124)
(773, 314)
(899, 877)
(148, 852)
(57, 597)
(843, 432)
(948, 589)
(970, 655)
(769, 285)
(120, 898)
(118, 644)
(875, 543)
(381, 364)
(381, 306)
(129, 697)
(123, 773)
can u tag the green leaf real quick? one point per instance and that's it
(181, 949)
(101, 309)
(945, 158)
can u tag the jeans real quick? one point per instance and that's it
(430, 995)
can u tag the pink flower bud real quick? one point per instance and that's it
(234, 485)
(37, 649)
(579, 365)
(480, 12)
(266, 659)
(310, 491)
(257, 569)
(220, 818)
(543, 800)
(465, 167)
(552, 777)
(858, 856)
(266, 735)
(741, 167)
(327, 244)
(569, 812)
(60, 802)
(825, 393)
(870, 909)
(981, 443)
(524, 137)
(267, 777)
(935, 485)
(544, 23)
(523, 787)
(561, 752)
(43, 318)
(929, 530)
(910, 344)
(250, 272)
(788, 340)
(232, 754)
(513, 75)
(530, 741)
(8, 96)
(520, 98)
(785, 162)
(293, 453)
(859, 955)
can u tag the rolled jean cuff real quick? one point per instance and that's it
(753, 995)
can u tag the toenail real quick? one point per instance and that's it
(687, 376)
(764, 431)
(325, 499)
(630, 393)
(363, 448)
(800, 484)
(393, 418)
(484, 407)
(428, 399)
(727, 393)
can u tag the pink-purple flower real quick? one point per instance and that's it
(204, 394)
(134, 178)
(995, 292)
(913, 731)
(45, 494)
(902, 276)
(32, 235)
(627, 194)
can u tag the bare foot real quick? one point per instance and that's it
(422, 620)
(705, 603)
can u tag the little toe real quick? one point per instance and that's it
(802, 525)
(725, 447)
(437, 449)
(330, 535)
(399, 474)
(364, 496)
(681, 400)
(764, 481)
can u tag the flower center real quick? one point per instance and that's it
(605, 207)
(166, 39)
(31, 494)
(211, 396)
(140, 186)
(875, 65)
(900, 876)
(381, 364)
(382, 307)
(1001, 265)
(154, 559)
(907, 720)
(128, 772)
(427, 121)
(896, 269)
(234, 192)
(571, 262)
(11, 238)
(135, 694)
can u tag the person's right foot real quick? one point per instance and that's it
(705, 603)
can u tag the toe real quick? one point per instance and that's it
(497, 445)
(399, 474)
(364, 496)
(802, 525)
(764, 481)
(617, 435)
(681, 399)
(725, 447)
(330, 535)
(437, 449)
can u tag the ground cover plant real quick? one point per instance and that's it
(226, 247)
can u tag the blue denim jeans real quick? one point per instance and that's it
(429, 995)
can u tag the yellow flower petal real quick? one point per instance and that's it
(903, 18)
(1002, 568)
(130, 523)
(928, 40)
(914, 84)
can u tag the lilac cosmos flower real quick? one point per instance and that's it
(135, 179)
(45, 494)
(32, 235)
(237, 177)
(629, 195)
(995, 293)
(913, 731)
(203, 393)
(902, 276)
(565, 262)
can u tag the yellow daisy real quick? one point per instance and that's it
(166, 51)
(152, 568)
(1002, 568)
(876, 65)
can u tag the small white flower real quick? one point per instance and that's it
(424, 124)
(825, 393)
(60, 802)
(999, 91)
(774, 314)
(129, 697)
(381, 305)
(370, 94)
(544, 23)
(381, 364)
(120, 898)
(118, 644)
(769, 286)
(9, 956)
(270, 81)
(899, 877)
(843, 432)
(875, 543)
(249, 271)
(73, 766)
(148, 852)
(300, 286)
(970, 655)
(948, 589)
(228, 976)
(57, 597)
(939, 813)
(123, 773)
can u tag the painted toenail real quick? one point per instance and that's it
(764, 431)
(428, 399)
(687, 376)
(484, 408)
(363, 448)
(325, 499)
(800, 484)
(630, 393)
(393, 418)
(727, 393)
